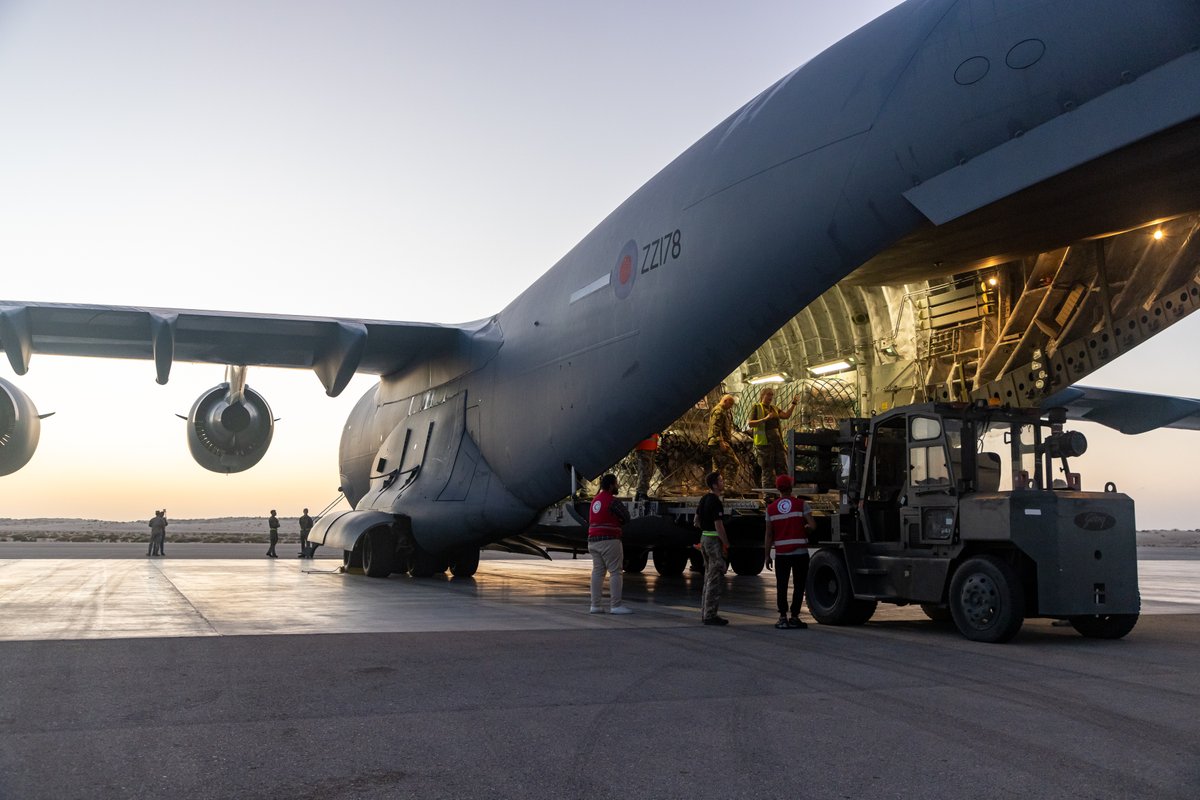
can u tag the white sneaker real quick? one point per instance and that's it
(621, 610)
(595, 610)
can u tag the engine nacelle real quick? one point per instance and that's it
(226, 436)
(20, 428)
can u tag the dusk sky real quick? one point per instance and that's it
(369, 159)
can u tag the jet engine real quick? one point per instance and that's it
(229, 428)
(20, 428)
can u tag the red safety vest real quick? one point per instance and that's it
(788, 526)
(648, 444)
(601, 520)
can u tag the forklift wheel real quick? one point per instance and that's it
(986, 600)
(831, 598)
(1104, 626)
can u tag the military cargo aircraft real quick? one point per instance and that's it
(1015, 186)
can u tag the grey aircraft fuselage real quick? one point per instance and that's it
(793, 192)
(943, 137)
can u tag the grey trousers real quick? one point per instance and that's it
(714, 575)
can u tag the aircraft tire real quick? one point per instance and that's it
(424, 565)
(669, 561)
(635, 561)
(378, 553)
(352, 559)
(987, 600)
(465, 563)
(1104, 626)
(830, 594)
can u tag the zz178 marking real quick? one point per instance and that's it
(660, 251)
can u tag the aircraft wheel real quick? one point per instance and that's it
(986, 600)
(378, 553)
(424, 565)
(1104, 626)
(831, 598)
(465, 563)
(635, 561)
(352, 559)
(936, 612)
(670, 561)
(746, 560)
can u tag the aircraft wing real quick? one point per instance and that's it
(333, 348)
(1127, 412)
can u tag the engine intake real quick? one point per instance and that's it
(20, 428)
(225, 436)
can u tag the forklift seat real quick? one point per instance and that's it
(989, 472)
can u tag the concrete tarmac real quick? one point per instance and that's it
(227, 678)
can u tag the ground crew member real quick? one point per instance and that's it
(605, 517)
(714, 546)
(787, 525)
(305, 526)
(645, 452)
(158, 533)
(273, 524)
(720, 438)
(768, 434)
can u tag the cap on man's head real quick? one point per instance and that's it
(784, 483)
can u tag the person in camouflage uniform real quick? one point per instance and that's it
(765, 418)
(720, 439)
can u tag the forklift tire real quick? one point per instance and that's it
(635, 561)
(987, 600)
(937, 613)
(378, 552)
(831, 598)
(1104, 626)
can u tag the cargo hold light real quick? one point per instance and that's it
(774, 377)
(830, 368)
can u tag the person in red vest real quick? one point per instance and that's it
(605, 518)
(787, 525)
(645, 451)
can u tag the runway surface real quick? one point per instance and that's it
(248, 678)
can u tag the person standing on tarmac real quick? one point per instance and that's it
(714, 545)
(720, 438)
(645, 452)
(787, 525)
(768, 434)
(605, 517)
(273, 524)
(306, 524)
(158, 532)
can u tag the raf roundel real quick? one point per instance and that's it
(596, 507)
(625, 271)
(785, 505)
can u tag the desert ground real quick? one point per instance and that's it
(254, 529)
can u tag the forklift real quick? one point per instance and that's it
(972, 511)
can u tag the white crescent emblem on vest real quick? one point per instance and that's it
(596, 507)
(785, 505)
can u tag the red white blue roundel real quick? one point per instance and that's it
(596, 507)
(785, 505)
(624, 272)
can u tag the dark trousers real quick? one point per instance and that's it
(786, 568)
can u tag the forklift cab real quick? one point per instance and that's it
(921, 459)
(914, 462)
